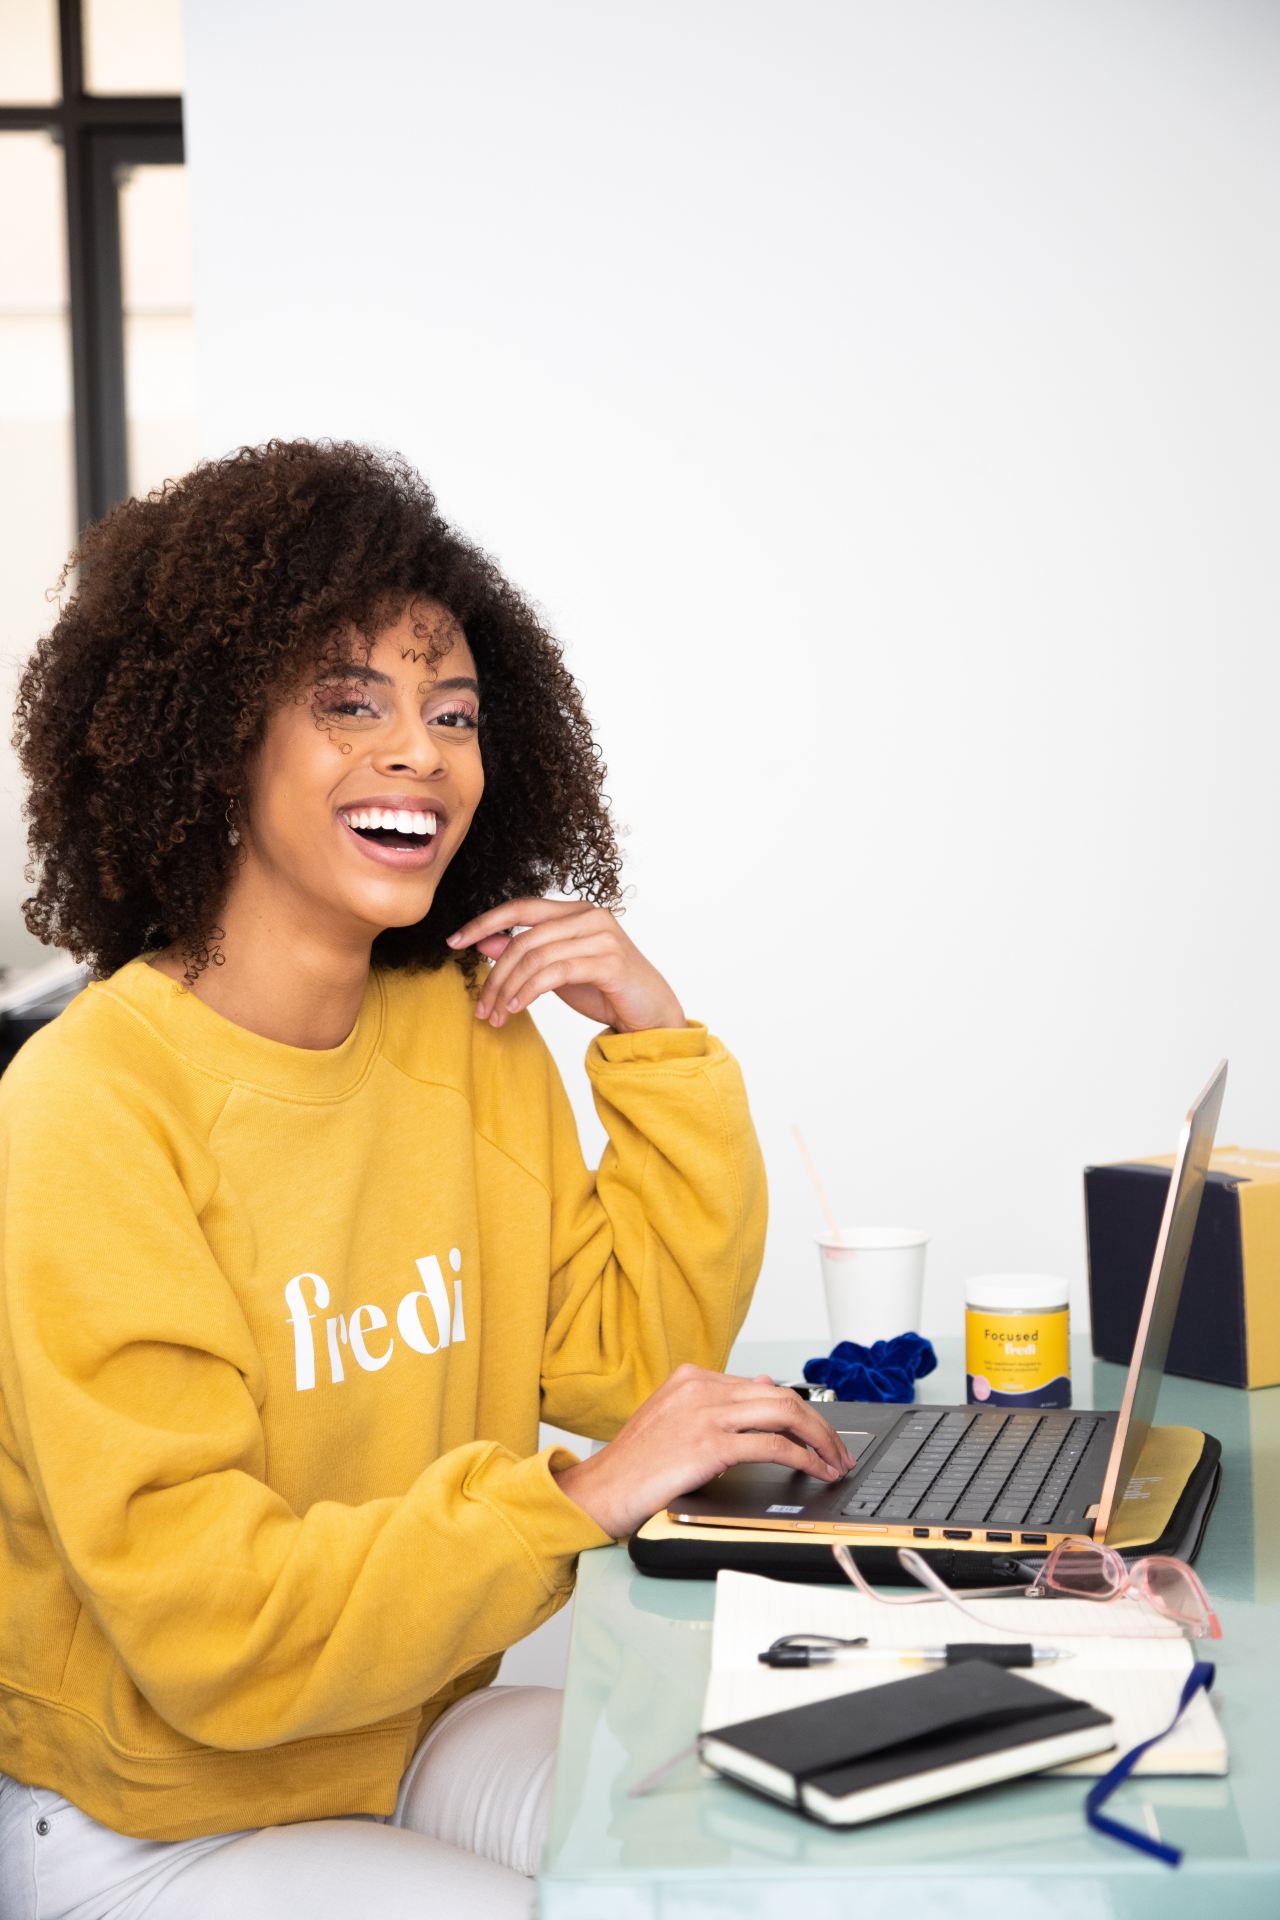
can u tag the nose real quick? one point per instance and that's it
(410, 746)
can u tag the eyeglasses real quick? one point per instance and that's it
(1078, 1569)
(1084, 1570)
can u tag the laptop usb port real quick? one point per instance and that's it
(919, 1533)
(1035, 1539)
(956, 1533)
(1006, 1537)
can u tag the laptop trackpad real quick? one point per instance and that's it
(767, 1473)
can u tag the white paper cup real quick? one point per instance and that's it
(874, 1281)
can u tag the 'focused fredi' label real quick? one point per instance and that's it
(1017, 1359)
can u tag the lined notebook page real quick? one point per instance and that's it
(1132, 1675)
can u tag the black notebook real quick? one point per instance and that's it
(883, 1749)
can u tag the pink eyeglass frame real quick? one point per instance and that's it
(1132, 1580)
(1203, 1624)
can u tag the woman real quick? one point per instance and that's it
(299, 1244)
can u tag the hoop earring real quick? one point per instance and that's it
(233, 831)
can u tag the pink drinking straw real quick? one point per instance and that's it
(818, 1187)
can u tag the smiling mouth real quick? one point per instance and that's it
(394, 845)
(389, 837)
(409, 828)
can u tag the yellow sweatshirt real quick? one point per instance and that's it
(276, 1331)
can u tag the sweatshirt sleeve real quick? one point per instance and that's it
(133, 1388)
(655, 1256)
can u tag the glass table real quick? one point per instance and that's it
(638, 1663)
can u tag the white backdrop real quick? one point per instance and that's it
(881, 402)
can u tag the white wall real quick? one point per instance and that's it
(880, 400)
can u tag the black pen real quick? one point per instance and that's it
(1020, 1653)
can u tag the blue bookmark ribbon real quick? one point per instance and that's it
(1201, 1675)
(887, 1370)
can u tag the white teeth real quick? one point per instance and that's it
(395, 820)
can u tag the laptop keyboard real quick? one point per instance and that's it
(983, 1468)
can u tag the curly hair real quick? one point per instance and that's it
(199, 610)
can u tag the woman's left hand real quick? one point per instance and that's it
(579, 952)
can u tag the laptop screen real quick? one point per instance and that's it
(1164, 1290)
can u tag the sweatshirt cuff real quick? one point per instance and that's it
(553, 1528)
(585, 1531)
(655, 1045)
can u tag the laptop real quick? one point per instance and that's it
(986, 1476)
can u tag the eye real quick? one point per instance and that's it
(345, 703)
(459, 718)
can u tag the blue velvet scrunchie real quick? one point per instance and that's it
(888, 1370)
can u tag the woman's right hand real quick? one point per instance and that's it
(695, 1425)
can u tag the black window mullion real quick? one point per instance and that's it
(99, 134)
(94, 476)
(97, 473)
(101, 314)
(71, 48)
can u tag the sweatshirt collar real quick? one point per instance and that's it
(210, 1041)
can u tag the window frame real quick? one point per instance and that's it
(100, 134)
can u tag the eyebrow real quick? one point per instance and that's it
(370, 676)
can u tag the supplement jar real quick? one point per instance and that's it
(1015, 1341)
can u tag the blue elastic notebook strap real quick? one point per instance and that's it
(1201, 1675)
